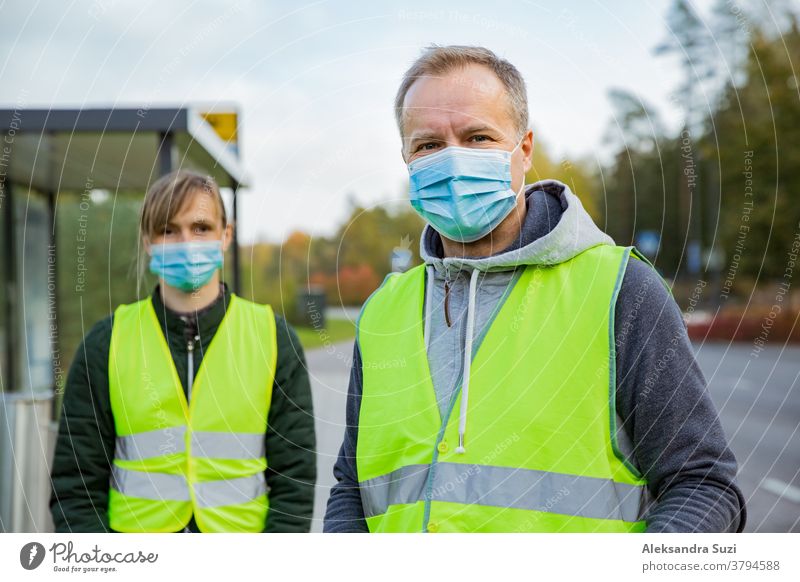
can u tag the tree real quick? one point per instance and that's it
(577, 174)
(756, 140)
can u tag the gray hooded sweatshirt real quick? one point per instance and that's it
(667, 426)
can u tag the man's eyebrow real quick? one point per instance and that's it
(424, 134)
(428, 134)
(479, 127)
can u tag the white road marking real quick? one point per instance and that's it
(781, 489)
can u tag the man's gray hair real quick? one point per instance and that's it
(437, 61)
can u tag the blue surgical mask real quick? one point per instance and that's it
(186, 266)
(463, 193)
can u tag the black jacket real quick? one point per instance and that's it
(85, 446)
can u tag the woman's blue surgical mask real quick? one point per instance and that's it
(463, 193)
(188, 265)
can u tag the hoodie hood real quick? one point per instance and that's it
(574, 232)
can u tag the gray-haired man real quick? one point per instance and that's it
(535, 394)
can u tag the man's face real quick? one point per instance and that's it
(469, 108)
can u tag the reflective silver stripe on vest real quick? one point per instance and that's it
(505, 487)
(405, 485)
(228, 445)
(166, 487)
(157, 486)
(153, 443)
(231, 491)
(167, 441)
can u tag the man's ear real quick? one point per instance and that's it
(527, 151)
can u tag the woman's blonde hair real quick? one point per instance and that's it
(169, 194)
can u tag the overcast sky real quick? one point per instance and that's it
(315, 81)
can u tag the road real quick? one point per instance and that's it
(329, 370)
(758, 399)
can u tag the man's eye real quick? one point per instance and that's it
(480, 138)
(427, 146)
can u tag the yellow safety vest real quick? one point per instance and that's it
(541, 450)
(205, 457)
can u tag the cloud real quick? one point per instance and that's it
(315, 81)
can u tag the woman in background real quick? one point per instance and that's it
(163, 429)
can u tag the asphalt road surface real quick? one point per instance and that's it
(329, 371)
(758, 399)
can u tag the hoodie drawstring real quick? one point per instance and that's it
(470, 332)
(426, 330)
(462, 418)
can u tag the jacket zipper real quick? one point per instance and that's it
(189, 383)
(447, 298)
(190, 367)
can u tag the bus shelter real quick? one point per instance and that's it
(44, 154)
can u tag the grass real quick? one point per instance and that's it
(337, 330)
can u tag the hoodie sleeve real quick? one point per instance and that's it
(345, 514)
(666, 411)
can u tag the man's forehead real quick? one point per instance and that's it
(464, 85)
(469, 95)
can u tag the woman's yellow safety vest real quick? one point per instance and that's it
(206, 457)
(541, 451)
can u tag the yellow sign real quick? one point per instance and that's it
(225, 124)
